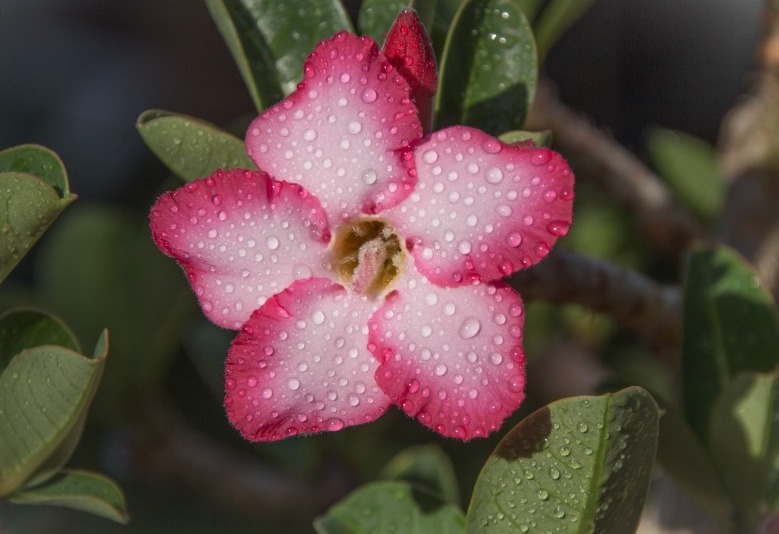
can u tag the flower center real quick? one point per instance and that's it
(367, 255)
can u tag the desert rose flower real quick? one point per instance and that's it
(363, 262)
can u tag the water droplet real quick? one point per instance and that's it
(369, 177)
(431, 299)
(554, 473)
(272, 242)
(543, 494)
(464, 247)
(494, 175)
(542, 156)
(369, 96)
(440, 369)
(309, 135)
(550, 195)
(469, 328)
(558, 228)
(492, 146)
(430, 156)
(514, 239)
(449, 309)
(318, 317)
(267, 393)
(335, 424)
(293, 384)
(355, 127)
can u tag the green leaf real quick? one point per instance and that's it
(384, 507)
(428, 468)
(691, 168)
(250, 50)
(542, 138)
(578, 465)
(99, 268)
(78, 490)
(555, 19)
(376, 17)
(744, 443)
(270, 40)
(530, 8)
(38, 161)
(489, 68)
(189, 147)
(25, 329)
(28, 205)
(44, 394)
(730, 325)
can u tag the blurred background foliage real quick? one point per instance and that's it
(641, 70)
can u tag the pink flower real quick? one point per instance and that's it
(363, 264)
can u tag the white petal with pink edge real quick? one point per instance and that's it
(339, 133)
(301, 364)
(482, 209)
(451, 357)
(241, 237)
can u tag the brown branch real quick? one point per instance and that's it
(749, 149)
(168, 450)
(650, 309)
(599, 158)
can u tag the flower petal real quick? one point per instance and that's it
(482, 209)
(339, 133)
(300, 364)
(241, 237)
(451, 357)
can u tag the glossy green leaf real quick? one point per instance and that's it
(555, 19)
(489, 68)
(391, 507)
(251, 52)
(100, 268)
(542, 138)
(28, 205)
(691, 168)
(25, 329)
(730, 325)
(580, 464)
(744, 443)
(428, 468)
(530, 8)
(78, 490)
(44, 393)
(189, 147)
(376, 17)
(267, 37)
(38, 161)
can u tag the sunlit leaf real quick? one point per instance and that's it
(489, 68)
(426, 467)
(270, 39)
(385, 507)
(744, 442)
(44, 393)
(78, 490)
(543, 138)
(690, 166)
(25, 329)
(730, 325)
(581, 464)
(189, 147)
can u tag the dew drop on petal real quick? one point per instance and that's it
(494, 176)
(514, 239)
(440, 369)
(449, 309)
(272, 242)
(558, 228)
(542, 156)
(469, 328)
(430, 156)
(293, 384)
(355, 127)
(318, 317)
(309, 135)
(369, 96)
(464, 247)
(335, 424)
(550, 195)
(492, 146)
(369, 177)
